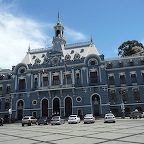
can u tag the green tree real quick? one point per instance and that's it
(129, 48)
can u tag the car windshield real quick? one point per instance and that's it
(56, 117)
(88, 115)
(72, 116)
(26, 118)
(109, 115)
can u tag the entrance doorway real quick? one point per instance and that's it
(20, 105)
(56, 106)
(44, 108)
(96, 105)
(68, 107)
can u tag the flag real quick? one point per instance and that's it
(43, 71)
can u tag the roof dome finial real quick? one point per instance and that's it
(58, 16)
(91, 39)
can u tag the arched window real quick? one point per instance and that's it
(125, 97)
(7, 105)
(58, 33)
(113, 97)
(136, 95)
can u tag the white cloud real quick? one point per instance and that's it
(17, 33)
(15, 36)
(73, 35)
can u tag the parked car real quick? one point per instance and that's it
(29, 120)
(57, 120)
(109, 117)
(42, 120)
(73, 119)
(6, 119)
(143, 114)
(135, 114)
(1, 121)
(89, 118)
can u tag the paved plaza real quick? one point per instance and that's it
(124, 131)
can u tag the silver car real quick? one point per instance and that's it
(89, 118)
(29, 120)
(73, 119)
(109, 118)
(57, 120)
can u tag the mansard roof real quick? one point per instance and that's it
(83, 49)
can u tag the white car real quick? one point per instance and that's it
(89, 118)
(57, 120)
(73, 119)
(28, 120)
(109, 117)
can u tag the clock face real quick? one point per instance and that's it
(55, 60)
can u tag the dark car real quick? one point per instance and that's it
(1, 121)
(43, 120)
(135, 114)
(6, 119)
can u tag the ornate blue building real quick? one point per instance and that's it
(71, 79)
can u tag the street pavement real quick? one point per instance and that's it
(124, 131)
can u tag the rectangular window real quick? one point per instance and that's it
(35, 83)
(45, 81)
(122, 79)
(0, 91)
(125, 97)
(8, 90)
(133, 78)
(67, 79)
(22, 85)
(93, 77)
(56, 80)
(78, 80)
(142, 76)
(111, 80)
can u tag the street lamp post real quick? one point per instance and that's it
(123, 110)
(122, 104)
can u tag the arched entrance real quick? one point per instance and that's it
(44, 108)
(56, 106)
(68, 106)
(20, 106)
(96, 105)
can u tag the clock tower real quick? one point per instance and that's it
(58, 40)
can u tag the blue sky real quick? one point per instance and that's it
(30, 22)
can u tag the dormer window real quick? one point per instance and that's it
(37, 61)
(82, 50)
(46, 60)
(43, 55)
(22, 70)
(67, 57)
(142, 61)
(92, 62)
(72, 51)
(76, 56)
(120, 64)
(34, 57)
(131, 62)
(109, 65)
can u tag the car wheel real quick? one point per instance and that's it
(22, 124)
(29, 124)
